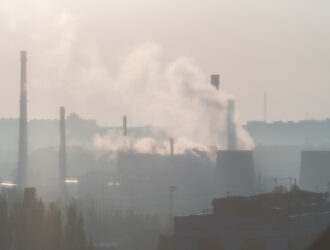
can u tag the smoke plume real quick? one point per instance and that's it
(176, 98)
(68, 68)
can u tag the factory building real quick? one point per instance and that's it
(145, 181)
(263, 222)
(315, 170)
(235, 172)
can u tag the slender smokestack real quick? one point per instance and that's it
(124, 125)
(265, 107)
(171, 146)
(215, 81)
(22, 143)
(62, 155)
(231, 129)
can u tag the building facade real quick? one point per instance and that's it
(286, 221)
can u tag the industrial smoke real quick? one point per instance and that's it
(174, 97)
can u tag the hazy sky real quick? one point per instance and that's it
(76, 49)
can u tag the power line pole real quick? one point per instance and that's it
(259, 184)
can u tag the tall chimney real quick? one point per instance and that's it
(23, 141)
(172, 146)
(124, 125)
(215, 81)
(231, 129)
(265, 107)
(62, 155)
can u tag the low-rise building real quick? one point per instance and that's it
(273, 221)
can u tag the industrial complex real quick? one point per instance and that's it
(274, 196)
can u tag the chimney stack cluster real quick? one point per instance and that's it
(23, 132)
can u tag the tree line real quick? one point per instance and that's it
(28, 224)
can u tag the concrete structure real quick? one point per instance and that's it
(263, 222)
(23, 131)
(145, 180)
(62, 156)
(215, 81)
(265, 107)
(315, 170)
(124, 125)
(235, 172)
(172, 146)
(301, 133)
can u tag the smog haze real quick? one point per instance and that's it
(78, 52)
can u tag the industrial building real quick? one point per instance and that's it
(145, 180)
(235, 172)
(315, 170)
(272, 221)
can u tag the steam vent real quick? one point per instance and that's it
(235, 172)
(315, 170)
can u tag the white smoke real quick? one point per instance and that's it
(175, 97)
(68, 68)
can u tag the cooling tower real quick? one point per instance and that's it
(315, 170)
(215, 81)
(235, 170)
(22, 143)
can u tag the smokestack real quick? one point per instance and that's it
(124, 125)
(172, 146)
(265, 107)
(231, 129)
(22, 143)
(62, 155)
(215, 81)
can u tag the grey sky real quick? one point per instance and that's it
(281, 47)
